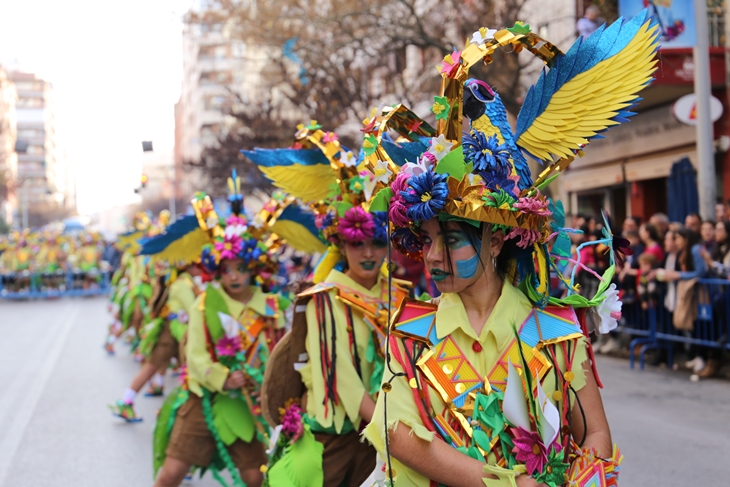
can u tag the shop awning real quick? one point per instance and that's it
(658, 166)
(592, 177)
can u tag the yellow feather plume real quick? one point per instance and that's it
(328, 262)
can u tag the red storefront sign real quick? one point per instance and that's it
(677, 67)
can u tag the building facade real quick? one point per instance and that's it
(38, 170)
(8, 156)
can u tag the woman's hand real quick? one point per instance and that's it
(527, 481)
(706, 256)
(235, 380)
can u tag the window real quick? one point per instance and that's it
(30, 103)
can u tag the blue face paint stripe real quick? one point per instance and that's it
(466, 269)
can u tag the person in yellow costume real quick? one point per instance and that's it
(493, 383)
(161, 340)
(51, 261)
(233, 325)
(339, 324)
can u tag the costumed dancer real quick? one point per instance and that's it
(493, 384)
(179, 247)
(233, 325)
(321, 381)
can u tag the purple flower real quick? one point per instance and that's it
(397, 208)
(529, 450)
(228, 347)
(357, 225)
(291, 422)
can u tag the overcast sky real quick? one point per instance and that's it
(116, 70)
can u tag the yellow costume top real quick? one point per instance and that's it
(203, 371)
(483, 352)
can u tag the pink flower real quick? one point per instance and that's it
(236, 220)
(183, 376)
(527, 237)
(291, 422)
(529, 450)
(449, 66)
(228, 347)
(357, 225)
(533, 205)
(397, 209)
(229, 247)
(329, 137)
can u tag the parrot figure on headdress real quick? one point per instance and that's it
(578, 96)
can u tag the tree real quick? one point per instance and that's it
(255, 126)
(354, 54)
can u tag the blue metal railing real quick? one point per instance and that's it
(36, 285)
(653, 328)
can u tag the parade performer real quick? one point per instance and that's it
(17, 262)
(493, 383)
(339, 324)
(179, 248)
(233, 325)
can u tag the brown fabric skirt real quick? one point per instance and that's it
(165, 349)
(346, 461)
(192, 442)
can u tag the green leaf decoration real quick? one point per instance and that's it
(232, 418)
(381, 201)
(370, 144)
(301, 464)
(520, 28)
(334, 191)
(482, 439)
(554, 472)
(453, 164)
(441, 107)
(547, 182)
(424, 297)
(150, 334)
(214, 303)
(342, 207)
(161, 433)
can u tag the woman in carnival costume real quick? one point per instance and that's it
(493, 383)
(216, 418)
(134, 281)
(338, 329)
(179, 247)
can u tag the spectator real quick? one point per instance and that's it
(720, 212)
(719, 260)
(693, 222)
(631, 224)
(691, 266)
(707, 232)
(661, 223)
(590, 21)
(646, 284)
(650, 238)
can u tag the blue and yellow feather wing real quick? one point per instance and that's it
(589, 89)
(303, 173)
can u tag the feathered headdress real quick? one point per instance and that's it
(483, 176)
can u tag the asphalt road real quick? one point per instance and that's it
(56, 430)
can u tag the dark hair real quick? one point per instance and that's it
(685, 257)
(652, 231)
(474, 235)
(696, 215)
(722, 247)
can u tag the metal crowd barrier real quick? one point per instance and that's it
(653, 328)
(42, 285)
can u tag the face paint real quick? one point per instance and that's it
(456, 240)
(368, 265)
(467, 268)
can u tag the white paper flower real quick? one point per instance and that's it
(440, 147)
(349, 159)
(258, 222)
(609, 310)
(235, 230)
(483, 35)
(229, 324)
(414, 169)
(211, 222)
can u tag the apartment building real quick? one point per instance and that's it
(8, 156)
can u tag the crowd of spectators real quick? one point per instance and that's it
(661, 269)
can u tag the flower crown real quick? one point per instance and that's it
(232, 238)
